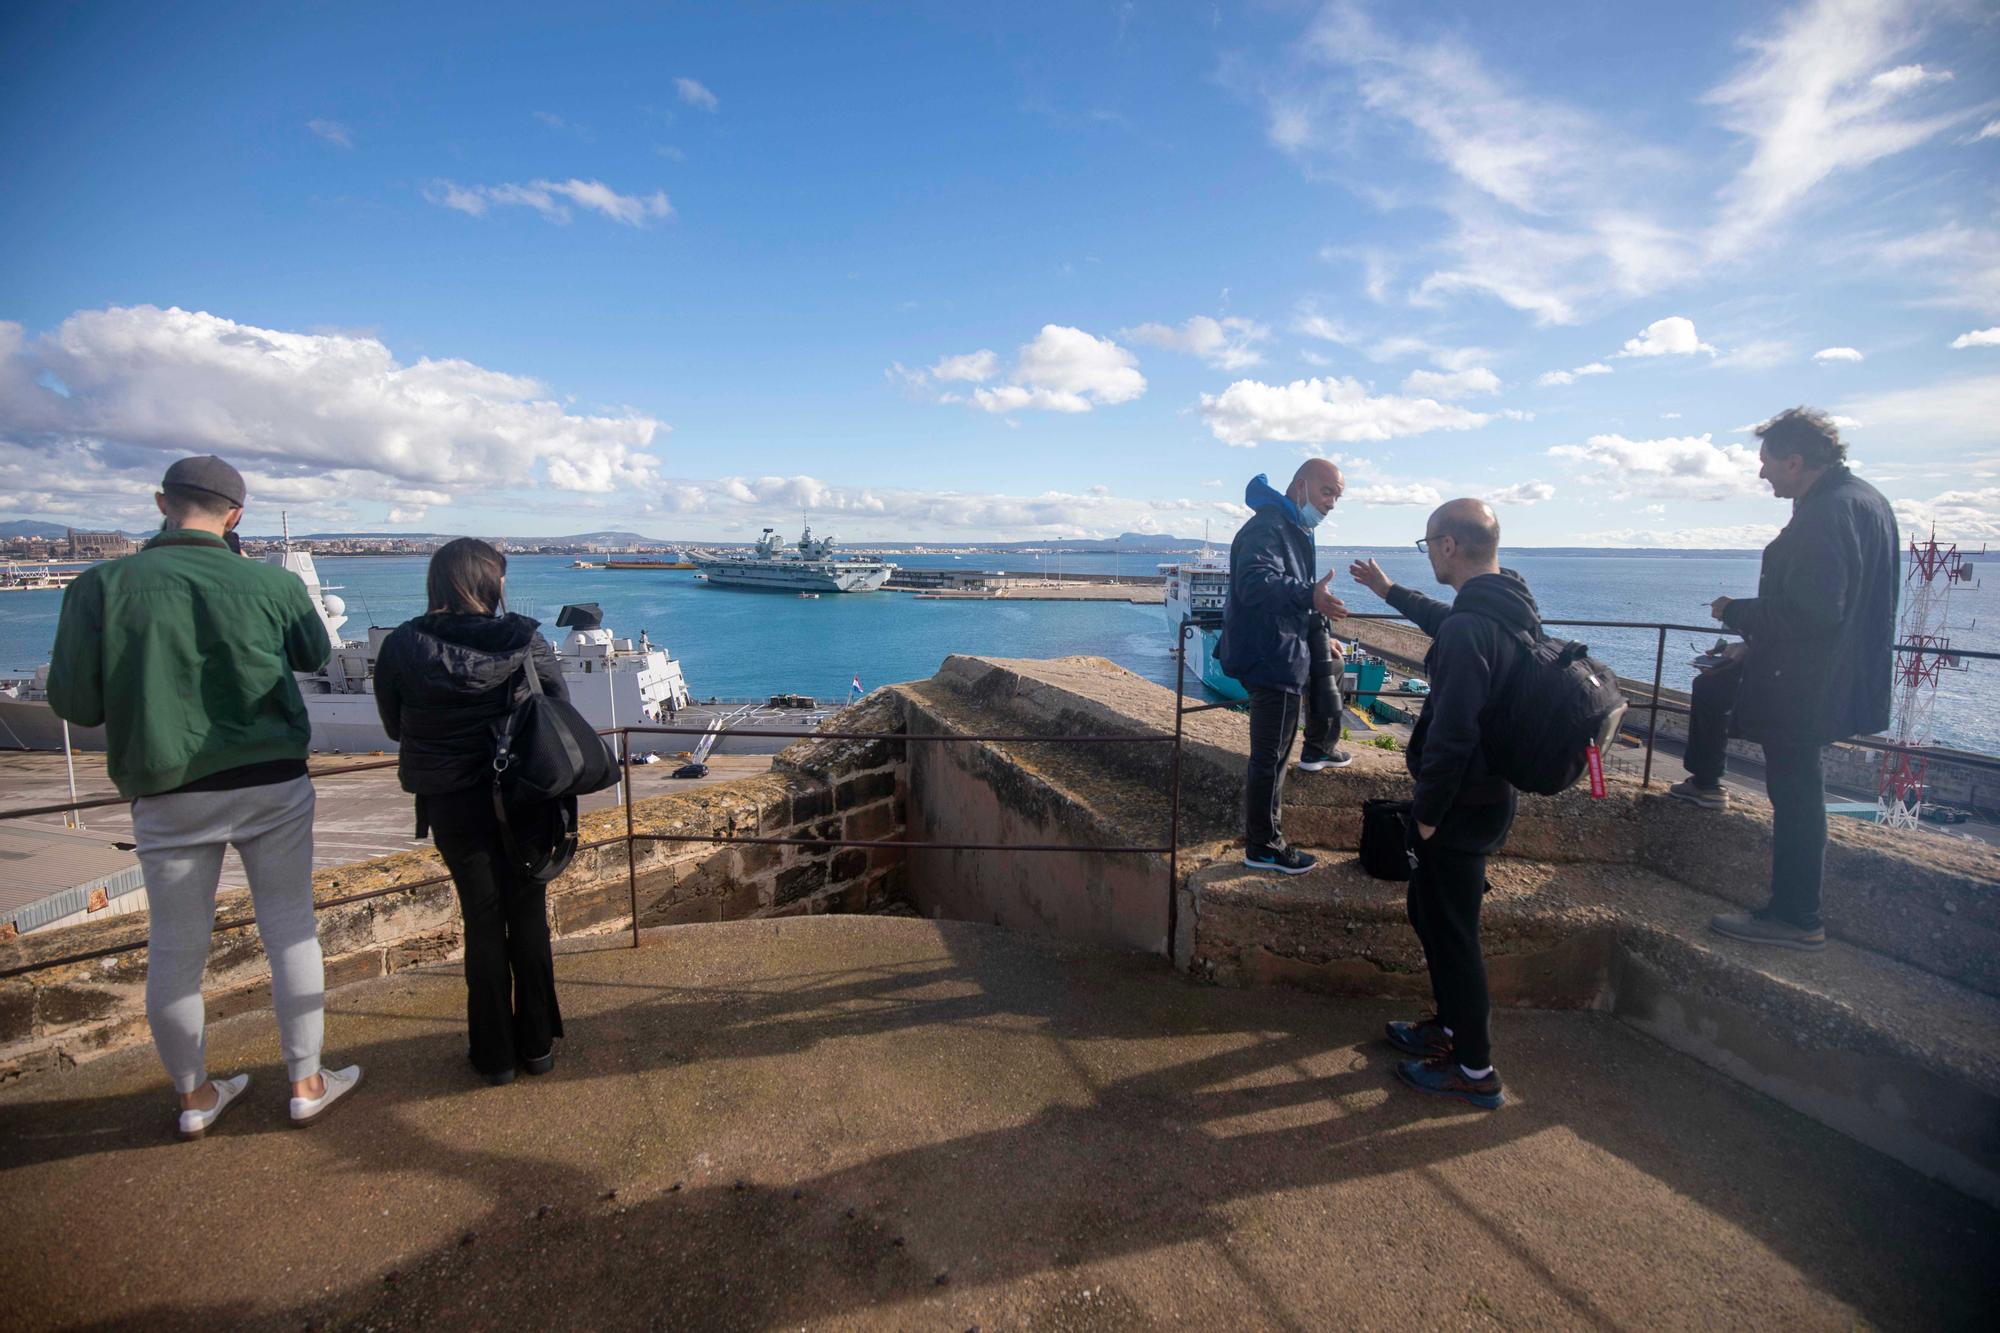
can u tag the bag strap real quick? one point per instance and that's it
(1520, 636)
(503, 758)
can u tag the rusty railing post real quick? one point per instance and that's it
(1174, 793)
(631, 857)
(1653, 721)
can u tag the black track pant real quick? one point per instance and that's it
(510, 986)
(1445, 892)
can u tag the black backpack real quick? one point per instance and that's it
(1557, 705)
(545, 755)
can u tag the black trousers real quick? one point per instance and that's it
(511, 1012)
(1795, 776)
(1446, 889)
(1712, 699)
(1795, 779)
(1274, 718)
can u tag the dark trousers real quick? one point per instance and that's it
(1713, 697)
(1274, 719)
(510, 984)
(1446, 888)
(1795, 776)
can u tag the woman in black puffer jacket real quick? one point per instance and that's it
(441, 682)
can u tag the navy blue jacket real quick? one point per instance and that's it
(1823, 622)
(1267, 620)
(1472, 656)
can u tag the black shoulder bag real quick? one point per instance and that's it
(545, 755)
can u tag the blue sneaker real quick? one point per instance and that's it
(1445, 1077)
(1284, 860)
(1426, 1037)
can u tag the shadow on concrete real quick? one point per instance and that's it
(1258, 1130)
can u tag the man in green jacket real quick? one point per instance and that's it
(184, 653)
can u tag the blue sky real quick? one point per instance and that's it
(998, 271)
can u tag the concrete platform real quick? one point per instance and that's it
(872, 1122)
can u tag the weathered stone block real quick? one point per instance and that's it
(800, 881)
(864, 788)
(357, 966)
(17, 1011)
(872, 822)
(431, 948)
(585, 908)
(755, 860)
(810, 803)
(848, 865)
(63, 1006)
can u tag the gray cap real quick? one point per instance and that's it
(207, 473)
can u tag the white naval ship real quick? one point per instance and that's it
(812, 568)
(1200, 588)
(613, 682)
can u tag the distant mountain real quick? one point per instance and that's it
(30, 528)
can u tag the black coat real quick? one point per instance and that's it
(1473, 655)
(442, 680)
(1822, 626)
(1267, 619)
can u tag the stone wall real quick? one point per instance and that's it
(55, 1015)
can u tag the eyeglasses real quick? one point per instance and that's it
(1423, 546)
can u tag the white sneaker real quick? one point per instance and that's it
(338, 1083)
(194, 1124)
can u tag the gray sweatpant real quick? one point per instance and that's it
(181, 837)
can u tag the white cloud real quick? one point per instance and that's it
(1391, 493)
(546, 197)
(1522, 493)
(1319, 411)
(1956, 413)
(1452, 384)
(1213, 483)
(1314, 359)
(1960, 263)
(1672, 336)
(1689, 467)
(1062, 370)
(1228, 343)
(1815, 99)
(1836, 354)
(976, 367)
(332, 131)
(1552, 378)
(1990, 130)
(1957, 515)
(1735, 537)
(1315, 325)
(1904, 78)
(1977, 338)
(1757, 354)
(143, 384)
(696, 95)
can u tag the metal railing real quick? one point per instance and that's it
(1183, 708)
(1653, 703)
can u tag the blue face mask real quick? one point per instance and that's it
(1309, 517)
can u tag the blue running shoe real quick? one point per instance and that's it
(1426, 1037)
(1445, 1078)
(1284, 860)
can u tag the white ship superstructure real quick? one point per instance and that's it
(613, 682)
(1200, 588)
(811, 568)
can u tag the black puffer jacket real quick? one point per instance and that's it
(1268, 617)
(1822, 626)
(1473, 655)
(442, 680)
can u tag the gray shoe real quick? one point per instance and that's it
(1708, 798)
(1757, 928)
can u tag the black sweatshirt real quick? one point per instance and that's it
(1472, 656)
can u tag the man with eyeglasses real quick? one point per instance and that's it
(1461, 810)
(1274, 627)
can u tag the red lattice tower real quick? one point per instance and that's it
(1931, 570)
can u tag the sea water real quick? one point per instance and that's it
(735, 643)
